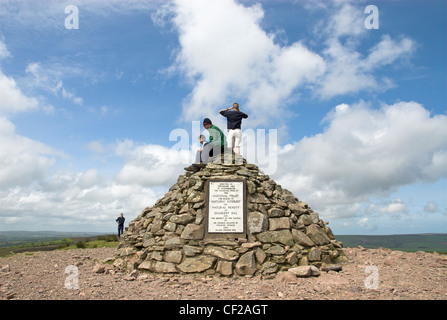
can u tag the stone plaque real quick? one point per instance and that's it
(225, 209)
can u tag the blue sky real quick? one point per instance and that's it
(91, 118)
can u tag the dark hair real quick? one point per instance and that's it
(207, 121)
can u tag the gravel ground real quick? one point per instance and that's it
(371, 274)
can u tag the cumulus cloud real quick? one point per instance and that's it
(349, 70)
(12, 99)
(346, 20)
(4, 52)
(365, 152)
(225, 54)
(23, 160)
(431, 207)
(150, 165)
(395, 206)
(349, 73)
(73, 201)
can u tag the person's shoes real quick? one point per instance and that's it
(190, 168)
(201, 165)
(193, 168)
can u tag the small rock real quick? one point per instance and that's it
(246, 265)
(98, 268)
(301, 271)
(109, 259)
(10, 296)
(133, 274)
(314, 271)
(305, 271)
(286, 276)
(334, 267)
(128, 278)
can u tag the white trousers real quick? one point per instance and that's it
(234, 138)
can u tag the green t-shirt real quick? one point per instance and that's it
(217, 136)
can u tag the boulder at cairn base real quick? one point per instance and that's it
(206, 224)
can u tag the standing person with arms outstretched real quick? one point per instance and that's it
(234, 120)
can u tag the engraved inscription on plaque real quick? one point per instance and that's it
(226, 207)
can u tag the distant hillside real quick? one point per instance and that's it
(404, 242)
(20, 238)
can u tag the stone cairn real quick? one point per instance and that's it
(282, 231)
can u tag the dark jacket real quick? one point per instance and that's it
(234, 118)
(120, 221)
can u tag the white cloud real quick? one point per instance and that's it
(4, 52)
(22, 160)
(150, 165)
(51, 14)
(48, 78)
(395, 206)
(365, 152)
(348, 72)
(35, 195)
(225, 54)
(347, 20)
(97, 147)
(12, 100)
(431, 207)
(73, 201)
(388, 51)
(364, 223)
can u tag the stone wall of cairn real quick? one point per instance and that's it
(282, 231)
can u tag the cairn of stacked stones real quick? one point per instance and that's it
(282, 232)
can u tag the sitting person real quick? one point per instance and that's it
(214, 147)
(202, 155)
(217, 137)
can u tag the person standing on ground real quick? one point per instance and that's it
(120, 221)
(234, 120)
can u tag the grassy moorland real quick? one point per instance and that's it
(23, 241)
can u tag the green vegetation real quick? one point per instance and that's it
(404, 242)
(109, 241)
(38, 238)
(15, 242)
